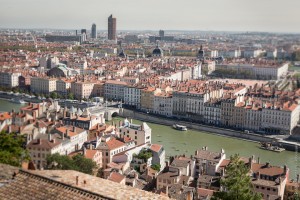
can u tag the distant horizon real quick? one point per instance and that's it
(154, 30)
(274, 16)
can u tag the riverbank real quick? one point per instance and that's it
(290, 146)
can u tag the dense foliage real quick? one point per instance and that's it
(237, 182)
(156, 167)
(144, 154)
(12, 151)
(77, 163)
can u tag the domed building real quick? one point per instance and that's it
(122, 54)
(157, 52)
(61, 70)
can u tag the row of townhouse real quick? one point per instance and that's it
(80, 89)
(211, 105)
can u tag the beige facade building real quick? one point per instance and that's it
(82, 89)
(147, 98)
(43, 85)
(63, 86)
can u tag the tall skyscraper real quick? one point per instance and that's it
(94, 31)
(112, 28)
(161, 33)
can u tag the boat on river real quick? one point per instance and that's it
(268, 146)
(179, 127)
(19, 101)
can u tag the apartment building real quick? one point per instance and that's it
(163, 104)
(212, 112)
(43, 85)
(147, 98)
(63, 86)
(114, 90)
(139, 133)
(82, 89)
(132, 96)
(208, 162)
(258, 71)
(110, 146)
(280, 120)
(9, 79)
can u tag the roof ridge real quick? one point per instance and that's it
(33, 175)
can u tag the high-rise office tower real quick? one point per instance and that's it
(161, 33)
(94, 31)
(112, 28)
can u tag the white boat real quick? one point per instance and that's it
(179, 127)
(19, 101)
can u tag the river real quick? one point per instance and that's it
(187, 142)
(178, 142)
(7, 106)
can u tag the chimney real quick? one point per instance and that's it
(297, 178)
(53, 140)
(39, 141)
(67, 132)
(196, 152)
(258, 160)
(49, 137)
(77, 180)
(267, 164)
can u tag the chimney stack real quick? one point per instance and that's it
(297, 178)
(77, 180)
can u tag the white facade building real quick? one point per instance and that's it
(141, 134)
(8, 79)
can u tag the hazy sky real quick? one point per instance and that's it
(227, 15)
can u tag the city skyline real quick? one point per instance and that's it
(231, 15)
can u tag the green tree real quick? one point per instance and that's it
(12, 151)
(83, 164)
(156, 167)
(53, 95)
(237, 182)
(77, 162)
(71, 96)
